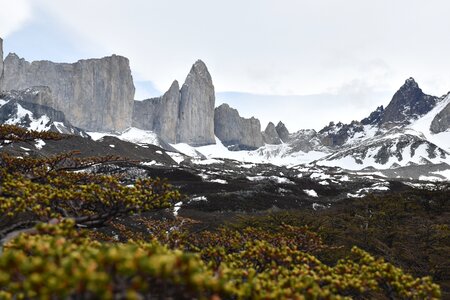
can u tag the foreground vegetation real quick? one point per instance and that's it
(51, 210)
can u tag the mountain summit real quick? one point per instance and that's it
(409, 102)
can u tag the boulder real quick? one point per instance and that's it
(94, 94)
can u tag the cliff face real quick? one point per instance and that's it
(236, 132)
(159, 114)
(94, 94)
(181, 116)
(196, 111)
(1, 62)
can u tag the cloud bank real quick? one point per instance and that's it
(13, 15)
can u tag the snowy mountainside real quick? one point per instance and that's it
(413, 143)
(397, 147)
(423, 125)
(15, 111)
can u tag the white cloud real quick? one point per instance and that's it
(269, 47)
(353, 54)
(13, 15)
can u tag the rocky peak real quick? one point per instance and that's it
(199, 71)
(196, 110)
(375, 117)
(408, 103)
(410, 83)
(270, 135)
(236, 132)
(283, 132)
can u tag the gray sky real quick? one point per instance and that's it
(303, 62)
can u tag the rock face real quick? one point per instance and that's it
(94, 94)
(235, 132)
(270, 135)
(441, 122)
(20, 108)
(375, 117)
(1, 62)
(335, 135)
(283, 132)
(159, 114)
(408, 102)
(181, 116)
(196, 111)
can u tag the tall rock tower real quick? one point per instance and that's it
(196, 111)
(181, 116)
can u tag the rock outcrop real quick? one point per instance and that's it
(283, 132)
(20, 108)
(1, 62)
(159, 114)
(270, 135)
(94, 94)
(196, 111)
(235, 132)
(375, 117)
(408, 102)
(181, 116)
(441, 121)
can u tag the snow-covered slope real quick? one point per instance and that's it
(134, 135)
(36, 117)
(395, 148)
(423, 124)
(274, 154)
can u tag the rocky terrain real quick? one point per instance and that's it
(21, 108)
(410, 135)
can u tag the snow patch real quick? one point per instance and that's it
(311, 193)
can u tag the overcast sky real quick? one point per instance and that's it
(303, 62)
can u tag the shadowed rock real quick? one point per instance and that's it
(441, 121)
(283, 132)
(159, 114)
(408, 102)
(270, 135)
(21, 108)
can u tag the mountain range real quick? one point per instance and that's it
(407, 138)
